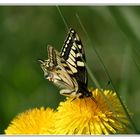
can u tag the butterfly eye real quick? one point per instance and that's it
(48, 75)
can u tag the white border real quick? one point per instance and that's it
(71, 2)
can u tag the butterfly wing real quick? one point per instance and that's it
(60, 73)
(74, 55)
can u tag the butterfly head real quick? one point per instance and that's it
(46, 69)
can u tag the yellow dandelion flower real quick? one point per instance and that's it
(35, 121)
(85, 116)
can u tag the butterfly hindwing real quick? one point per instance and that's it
(74, 55)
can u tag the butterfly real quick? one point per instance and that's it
(66, 69)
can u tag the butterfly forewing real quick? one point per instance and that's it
(52, 61)
(74, 55)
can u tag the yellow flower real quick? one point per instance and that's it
(85, 116)
(102, 114)
(35, 121)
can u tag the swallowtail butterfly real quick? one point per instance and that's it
(66, 69)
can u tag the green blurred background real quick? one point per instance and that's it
(25, 32)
